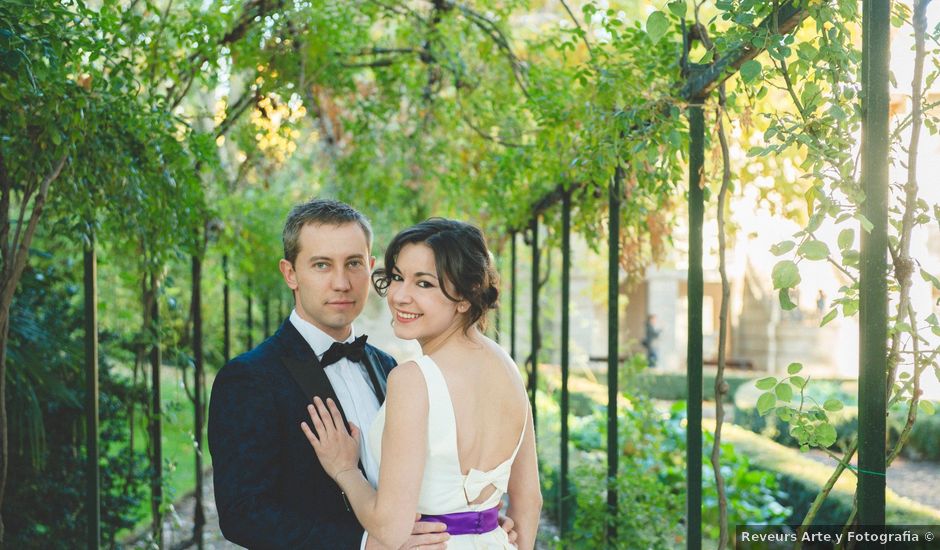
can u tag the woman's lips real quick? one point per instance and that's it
(406, 317)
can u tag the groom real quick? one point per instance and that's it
(271, 491)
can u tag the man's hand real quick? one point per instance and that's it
(425, 535)
(507, 524)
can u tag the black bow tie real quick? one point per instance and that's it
(355, 351)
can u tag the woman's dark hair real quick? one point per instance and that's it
(461, 258)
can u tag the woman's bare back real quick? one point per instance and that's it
(489, 400)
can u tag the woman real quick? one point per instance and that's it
(455, 432)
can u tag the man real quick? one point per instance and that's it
(270, 489)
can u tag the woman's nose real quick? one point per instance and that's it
(400, 293)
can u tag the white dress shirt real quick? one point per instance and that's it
(351, 383)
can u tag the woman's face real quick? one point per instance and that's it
(420, 311)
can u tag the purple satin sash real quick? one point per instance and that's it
(468, 523)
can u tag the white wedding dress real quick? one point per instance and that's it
(444, 487)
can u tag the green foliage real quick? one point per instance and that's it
(651, 482)
(47, 430)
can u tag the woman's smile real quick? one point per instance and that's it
(405, 317)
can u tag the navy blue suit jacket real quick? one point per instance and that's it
(270, 489)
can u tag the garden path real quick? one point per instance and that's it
(913, 479)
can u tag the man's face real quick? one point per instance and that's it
(331, 276)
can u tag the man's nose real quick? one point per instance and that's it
(340, 280)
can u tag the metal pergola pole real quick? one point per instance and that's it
(226, 312)
(534, 373)
(512, 296)
(93, 479)
(613, 350)
(249, 322)
(156, 424)
(565, 329)
(199, 518)
(694, 358)
(873, 293)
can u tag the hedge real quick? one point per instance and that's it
(673, 386)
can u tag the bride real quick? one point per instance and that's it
(455, 433)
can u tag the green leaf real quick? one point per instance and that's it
(826, 435)
(833, 405)
(786, 274)
(930, 278)
(782, 248)
(766, 403)
(798, 381)
(794, 368)
(785, 302)
(829, 317)
(678, 8)
(846, 238)
(656, 26)
(813, 250)
(750, 70)
(766, 383)
(849, 308)
(783, 413)
(866, 225)
(926, 407)
(784, 392)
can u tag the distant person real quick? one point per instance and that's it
(651, 333)
(821, 302)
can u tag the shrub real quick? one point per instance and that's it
(673, 386)
(651, 480)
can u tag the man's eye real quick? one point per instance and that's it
(321, 265)
(355, 264)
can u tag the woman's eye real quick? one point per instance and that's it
(424, 284)
(395, 277)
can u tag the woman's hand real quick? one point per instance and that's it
(337, 449)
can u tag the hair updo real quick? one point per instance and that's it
(461, 258)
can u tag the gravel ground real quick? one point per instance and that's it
(178, 525)
(913, 479)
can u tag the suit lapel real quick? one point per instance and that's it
(377, 374)
(305, 368)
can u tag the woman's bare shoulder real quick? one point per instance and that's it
(407, 378)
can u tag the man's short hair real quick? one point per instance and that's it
(319, 212)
